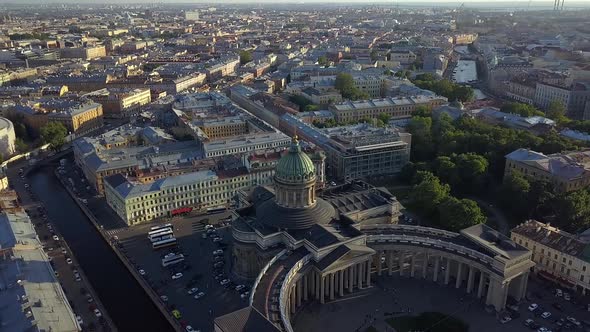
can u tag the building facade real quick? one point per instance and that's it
(559, 256)
(395, 107)
(567, 172)
(7, 138)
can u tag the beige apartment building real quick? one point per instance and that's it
(120, 102)
(567, 171)
(396, 108)
(559, 256)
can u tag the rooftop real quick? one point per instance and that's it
(554, 238)
(385, 102)
(31, 295)
(568, 166)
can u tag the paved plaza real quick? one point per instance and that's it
(391, 296)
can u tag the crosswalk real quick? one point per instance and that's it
(197, 227)
(113, 232)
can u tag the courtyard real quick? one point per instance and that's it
(396, 297)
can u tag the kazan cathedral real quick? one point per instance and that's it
(299, 244)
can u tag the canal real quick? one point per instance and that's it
(126, 302)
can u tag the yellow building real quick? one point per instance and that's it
(396, 108)
(560, 256)
(567, 172)
(78, 117)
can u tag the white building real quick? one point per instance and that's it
(7, 138)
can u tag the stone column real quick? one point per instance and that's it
(332, 275)
(470, 278)
(448, 271)
(413, 265)
(299, 291)
(369, 273)
(322, 292)
(482, 280)
(360, 275)
(523, 285)
(459, 275)
(425, 265)
(341, 278)
(350, 278)
(305, 291)
(436, 268)
(390, 262)
(293, 299)
(401, 264)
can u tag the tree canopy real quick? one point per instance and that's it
(345, 85)
(445, 88)
(457, 214)
(54, 134)
(245, 56)
(521, 109)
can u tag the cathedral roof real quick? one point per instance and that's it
(295, 166)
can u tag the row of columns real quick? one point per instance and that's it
(497, 291)
(329, 285)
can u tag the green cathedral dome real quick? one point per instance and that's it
(295, 166)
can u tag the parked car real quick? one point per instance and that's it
(55, 238)
(533, 307)
(218, 252)
(199, 295)
(224, 282)
(69, 260)
(240, 287)
(217, 239)
(245, 295)
(558, 292)
(566, 296)
(79, 320)
(142, 272)
(164, 298)
(192, 291)
(546, 314)
(218, 264)
(97, 313)
(505, 320)
(177, 276)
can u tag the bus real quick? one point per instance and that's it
(161, 237)
(172, 259)
(158, 231)
(164, 243)
(157, 228)
(218, 209)
(160, 234)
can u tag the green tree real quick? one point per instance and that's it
(345, 84)
(245, 56)
(422, 142)
(54, 134)
(445, 169)
(323, 61)
(20, 145)
(422, 110)
(514, 194)
(556, 111)
(429, 193)
(574, 207)
(457, 214)
(384, 117)
(521, 109)
(472, 170)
